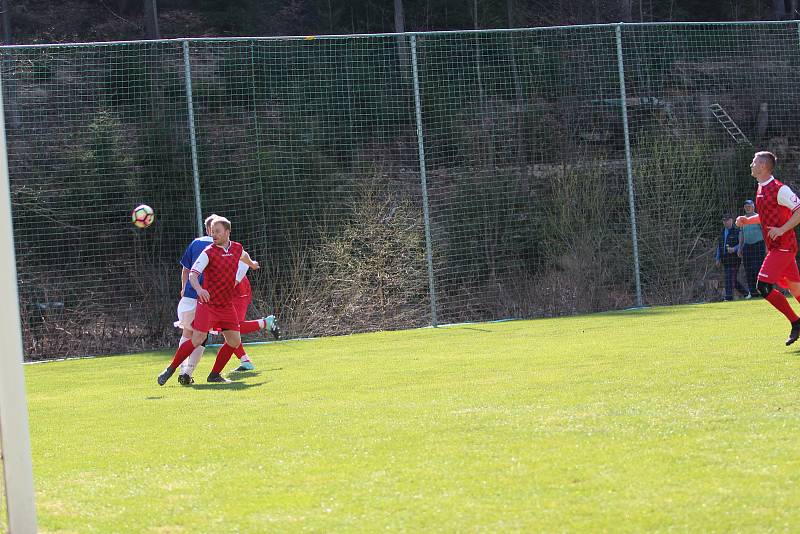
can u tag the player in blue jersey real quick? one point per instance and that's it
(188, 304)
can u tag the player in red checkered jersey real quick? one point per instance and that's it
(778, 210)
(218, 264)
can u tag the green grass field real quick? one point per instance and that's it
(683, 418)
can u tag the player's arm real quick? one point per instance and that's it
(743, 220)
(241, 271)
(194, 277)
(184, 278)
(788, 199)
(247, 260)
(186, 264)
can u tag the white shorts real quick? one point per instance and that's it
(186, 309)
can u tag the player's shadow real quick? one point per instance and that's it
(235, 385)
(248, 374)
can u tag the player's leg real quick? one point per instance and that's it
(227, 321)
(186, 312)
(269, 322)
(190, 364)
(780, 267)
(232, 340)
(242, 303)
(200, 327)
(183, 352)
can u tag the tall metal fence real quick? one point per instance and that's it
(388, 181)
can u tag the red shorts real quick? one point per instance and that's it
(780, 268)
(243, 298)
(215, 318)
(241, 304)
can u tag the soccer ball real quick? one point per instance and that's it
(142, 216)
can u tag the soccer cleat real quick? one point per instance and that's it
(168, 372)
(794, 334)
(217, 378)
(272, 326)
(245, 366)
(185, 380)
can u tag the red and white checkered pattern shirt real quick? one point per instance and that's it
(218, 266)
(775, 203)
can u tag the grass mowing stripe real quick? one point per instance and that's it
(649, 419)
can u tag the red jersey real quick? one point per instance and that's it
(219, 275)
(771, 204)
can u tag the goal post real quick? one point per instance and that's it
(14, 437)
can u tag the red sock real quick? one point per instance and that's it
(182, 353)
(777, 299)
(247, 327)
(239, 351)
(223, 356)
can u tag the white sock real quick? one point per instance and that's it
(244, 358)
(190, 363)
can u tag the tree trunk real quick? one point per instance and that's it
(151, 19)
(402, 41)
(6, 22)
(10, 83)
(627, 10)
(399, 17)
(778, 9)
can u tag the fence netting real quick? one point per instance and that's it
(311, 148)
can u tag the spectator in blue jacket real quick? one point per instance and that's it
(751, 249)
(728, 256)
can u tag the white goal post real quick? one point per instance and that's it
(16, 445)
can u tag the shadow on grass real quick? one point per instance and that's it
(230, 385)
(254, 372)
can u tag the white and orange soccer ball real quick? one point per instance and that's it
(142, 216)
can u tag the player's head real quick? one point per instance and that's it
(749, 206)
(763, 164)
(209, 221)
(221, 231)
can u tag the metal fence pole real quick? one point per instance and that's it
(14, 437)
(423, 178)
(187, 69)
(629, 167)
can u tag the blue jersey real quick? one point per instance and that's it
(191, 254)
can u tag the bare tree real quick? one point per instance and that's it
(402, 44)
(151, 19)
(778, 9)
(399, 17)
(627, 10)
(6, 22)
